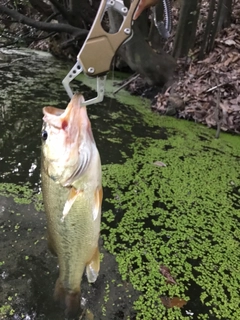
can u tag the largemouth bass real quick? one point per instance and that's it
(72, 195)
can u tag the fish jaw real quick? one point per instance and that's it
(69, 144)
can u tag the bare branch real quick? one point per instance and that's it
(45, 26)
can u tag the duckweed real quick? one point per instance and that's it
(184, 216)
(21, 195)
(5, 311)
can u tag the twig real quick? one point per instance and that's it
(218, 112)
(126, 83)
(39, 38)
(67, 43)
(53, 15)
(82, 314)
(218, 86)
(8, 44)
(18, 59)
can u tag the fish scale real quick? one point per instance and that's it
(70, 235)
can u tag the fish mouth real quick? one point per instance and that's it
(55, 111)
(71, 117)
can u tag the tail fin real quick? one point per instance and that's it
(68, 299)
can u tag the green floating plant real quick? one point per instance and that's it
(183, 214)
(22, 194)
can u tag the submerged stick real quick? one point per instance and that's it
(126, 83)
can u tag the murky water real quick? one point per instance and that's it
(174, 215)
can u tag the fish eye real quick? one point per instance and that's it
(44, 135)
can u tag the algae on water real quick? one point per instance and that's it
(21, 194)
(184, 216)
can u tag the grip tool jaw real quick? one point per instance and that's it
(99, 48)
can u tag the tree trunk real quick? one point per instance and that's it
(187, 25)
(208, 30)
(216, 26)
(140, 57)
(225, 15)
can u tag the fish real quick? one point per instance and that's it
(71, 179)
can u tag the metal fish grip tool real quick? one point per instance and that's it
(99, 48)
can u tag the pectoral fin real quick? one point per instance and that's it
(73, 194)
(97, 203)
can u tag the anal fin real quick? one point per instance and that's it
(92, 268)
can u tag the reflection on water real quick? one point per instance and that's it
(32, 82)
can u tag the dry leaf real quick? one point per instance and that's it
(173, 302)
(159, 164)
(230, 42)
(166, 273)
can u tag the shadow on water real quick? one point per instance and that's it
(179, 214)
